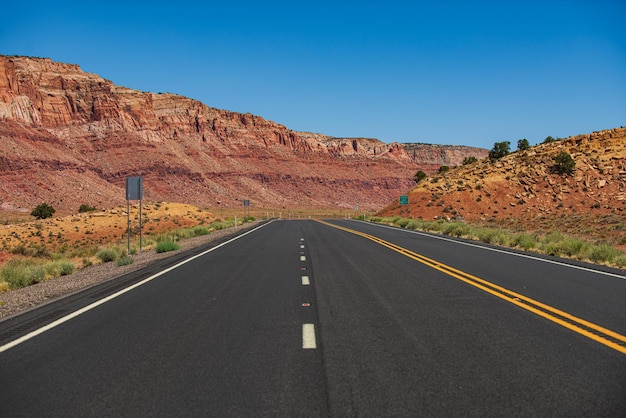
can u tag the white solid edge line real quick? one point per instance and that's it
(308, 337)
(560, 263)
(305, 281)
(87, 308)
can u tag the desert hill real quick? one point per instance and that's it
(523, 190)
(68, 137)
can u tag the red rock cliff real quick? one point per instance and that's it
(68, 137)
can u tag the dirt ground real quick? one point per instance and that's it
(80, 234)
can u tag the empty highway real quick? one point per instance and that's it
(337, 318)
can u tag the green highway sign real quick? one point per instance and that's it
(404, 200)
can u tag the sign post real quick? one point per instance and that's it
(134, 191)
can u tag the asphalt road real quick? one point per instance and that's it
(298, 318)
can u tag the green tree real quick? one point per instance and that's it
(419, 176)
(499, 150)
(43, 211)
(443, 169)
(564, 163)
(523, 144)
(548, 140)
(469, 160)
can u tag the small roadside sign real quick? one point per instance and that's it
(404, 200)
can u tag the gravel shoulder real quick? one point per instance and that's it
(17, 301)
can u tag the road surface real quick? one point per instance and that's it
(301, 318)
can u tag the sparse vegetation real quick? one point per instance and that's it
(553, 243)
(443, 169)
(469, 160)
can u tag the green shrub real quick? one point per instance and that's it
(125, 261)
(165, 246)
(86, 208)
(403, 222)
(603, 253)
(564, 163)
(43, 211)
(59, 268)
(414, 224)
(201, 230)
(20, 273)
(469, 160)
(106, 255)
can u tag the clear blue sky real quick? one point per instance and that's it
(449, 72)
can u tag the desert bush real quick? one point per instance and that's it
(43, 211)
(413, 224)
(20, 272)
(84, 208)
(58, 268)
(564, 163)
(125, 261)
(469, 160)
(106, 255)
(33, 250)
(166, 245)
(456, 229)
(201, 230)
(403, 222)
(603, 253)
(524, 241)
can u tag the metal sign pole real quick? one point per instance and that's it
(128, 228)
(140, 228)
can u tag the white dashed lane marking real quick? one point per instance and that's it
(308, 336)
(305, 281)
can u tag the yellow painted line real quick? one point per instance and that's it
(569, 321)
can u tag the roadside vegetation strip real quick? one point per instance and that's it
(588, 329)
(35, 263)
(552, 243)
(88, 308)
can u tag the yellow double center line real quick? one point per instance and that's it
(590, 330)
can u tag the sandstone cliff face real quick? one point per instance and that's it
(431, 157)
(68, 137)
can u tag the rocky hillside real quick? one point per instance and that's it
(68, 137)
(523, 189)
